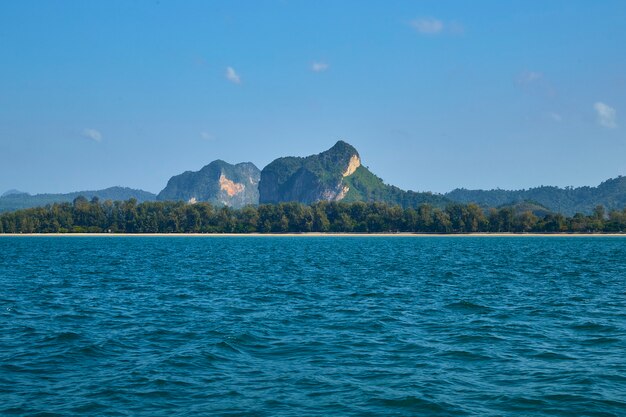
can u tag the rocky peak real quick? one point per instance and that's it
(309, 179)
(218, 182)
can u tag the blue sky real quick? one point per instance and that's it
(434, 94)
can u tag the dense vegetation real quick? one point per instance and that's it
(611, 194)
(305, 179)
(17, 200)
(177, 217)
(366, 186)
(314, 177)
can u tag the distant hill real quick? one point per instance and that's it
(528, 206)
(334, 175)
(12, 192)
(611, 194)
(16, 201)
(218, 182)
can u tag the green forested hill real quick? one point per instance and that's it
(307, 179)
(366, 186)
(333, 175)
(16, 201)
(611, 194)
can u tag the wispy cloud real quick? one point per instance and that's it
(206, 135)
(529, 77)
(428, 25)
(432, 26)
(319, 66)
(92, 134)
(556, 117)
(232, 76)
(536, 83)
(606, 115)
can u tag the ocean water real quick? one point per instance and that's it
(327, 326)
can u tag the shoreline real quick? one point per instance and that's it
(313, 234)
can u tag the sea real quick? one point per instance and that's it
(312, 326)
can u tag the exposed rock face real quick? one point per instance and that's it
(334, 175)
(353, 164)
(230, 187)
(217, 183)
(314, 178)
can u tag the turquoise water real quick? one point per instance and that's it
(292, 326)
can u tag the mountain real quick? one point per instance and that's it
(217, 183)
(611, 194)
(16, 201)
(334, 175)
(12, 192)
(314, 178)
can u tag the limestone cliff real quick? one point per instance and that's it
(313, 178)
(218, 183)
(334, 175)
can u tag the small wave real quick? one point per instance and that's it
(520, 403)
(89, 408)
(367, 294)
(601, 341)
(226, 346)
(594, 327)
(469, 307)
(552, 356)
(19, 411)
(613, 377)
(478, 338)
(566, 398)
(411, 402)
(464, 355)
(207, 356)
(155, 393)
(63, 337)
(10, 367)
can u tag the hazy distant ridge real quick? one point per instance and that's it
(611, 194)
(16, 201)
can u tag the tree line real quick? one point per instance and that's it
(84, 216)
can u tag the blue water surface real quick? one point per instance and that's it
(328, 326)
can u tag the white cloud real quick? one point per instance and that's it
(428, 25)
(536, 83)
(606, 115)
(556, 117)
(319, 66)
(92, 134)
(232, 76)
(529, 77)
(206, 136)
